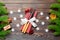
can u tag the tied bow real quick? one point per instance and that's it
(25, 20)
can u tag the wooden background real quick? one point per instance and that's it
(42, 5)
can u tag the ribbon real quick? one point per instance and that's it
(25, 20)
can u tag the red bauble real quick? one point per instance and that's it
(28, 10)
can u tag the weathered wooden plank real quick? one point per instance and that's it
(16, 9)
(26, 1)
(28, 5)
(42, 5)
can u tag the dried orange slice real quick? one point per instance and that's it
(52, 16)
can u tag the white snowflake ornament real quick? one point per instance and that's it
(12, 29)
(19, 10)
(42, 23)
(11, 12)
(46, 30)
(41, 13)
(14, 18)
(47, 17)
(37, 20)
(17, 25)
(21, 15)
(37, 28)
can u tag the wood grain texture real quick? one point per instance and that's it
(27, 1)
(22, 4)
(40, 5)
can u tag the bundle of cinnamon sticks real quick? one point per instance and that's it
(27, 27)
